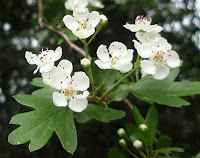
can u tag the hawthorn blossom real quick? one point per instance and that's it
(75, 4)
(83, 23)
(159, 64)
(117, 56)
(72, 90)
(143, 24)
(44, 60)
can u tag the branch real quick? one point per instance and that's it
(61, 33)
(128, 103)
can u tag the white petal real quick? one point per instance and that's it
(70, 22)
(102, 65)
(156, 28)
(143, 73)
(83, 96)
(57, 54)
(94, 19)
(65, 65)
(150, 36)
(102, 53)
(136, 44)
(82, 34)
(132, 27)
(126, 56)
(78, 105)
(123, 68)
(47, 67)
(141, 37)
(61, 80)
(31, 58)
(80, 14)
(80, 81)
(116, 49)
(172, 59)
(36, 70)
(162, 72)
(48, 76)
(148, 66)
(144, 50)
(59, 99)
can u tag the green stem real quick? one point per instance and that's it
(91, 78)
(91, 39)
(147, 150)
(103, 82)
(117, 83)
(131, 153)
(142, 154)
(86, 48)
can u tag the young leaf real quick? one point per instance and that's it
(120, 94)
(151, 121)
(137, 116)
(164, 142)
(169, 150)
(115, 153)
(134, 133)
(38, 82)
(99, 113)
(37, 126)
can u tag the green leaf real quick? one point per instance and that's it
(165, 91)
(119, 94)
(37, 126)
(71, 36)
(115, 153)
(197, 156)
(169, 150)
(164, 142)
(46, 92)
(134, 133)
(99, 113)
(151, 121)
(60, 41)
(137, 116)
(99, 75)
(38, 82)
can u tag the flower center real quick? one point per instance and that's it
(113, 60)
(84, 25)
(158, 58)
(140, 20)
(69, 93)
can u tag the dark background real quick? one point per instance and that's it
(20, 32)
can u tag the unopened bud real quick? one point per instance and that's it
(122, 142)
(137, 144)
(143, 127)
(121, 132)
(85, 62)
(104, 19)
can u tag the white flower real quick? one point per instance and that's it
(147, 46)
(72, 90)
(118, 57)
(83, 23)
(45, 60)
(85, 62)
(75, 4)
(64, 65)
(159, 63)
(137, 144)
(104, 19)
(96, 3)
(143, 24)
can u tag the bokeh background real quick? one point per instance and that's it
(19, 31)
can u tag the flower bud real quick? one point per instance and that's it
(85, 62)
(104, 19)
(137, 144)
(122, 142)
(121, 132)
(143, 127)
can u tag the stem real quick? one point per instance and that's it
(91, 39)
(91, 78)
(103, 82)
(131, 153)
(117, 83)
(147, 150)
(142, 154)
(86, 48)
(137, 66)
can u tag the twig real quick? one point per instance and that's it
(61, 33)
(128, 103)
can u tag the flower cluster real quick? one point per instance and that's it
(158, 53)
(72, 91)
